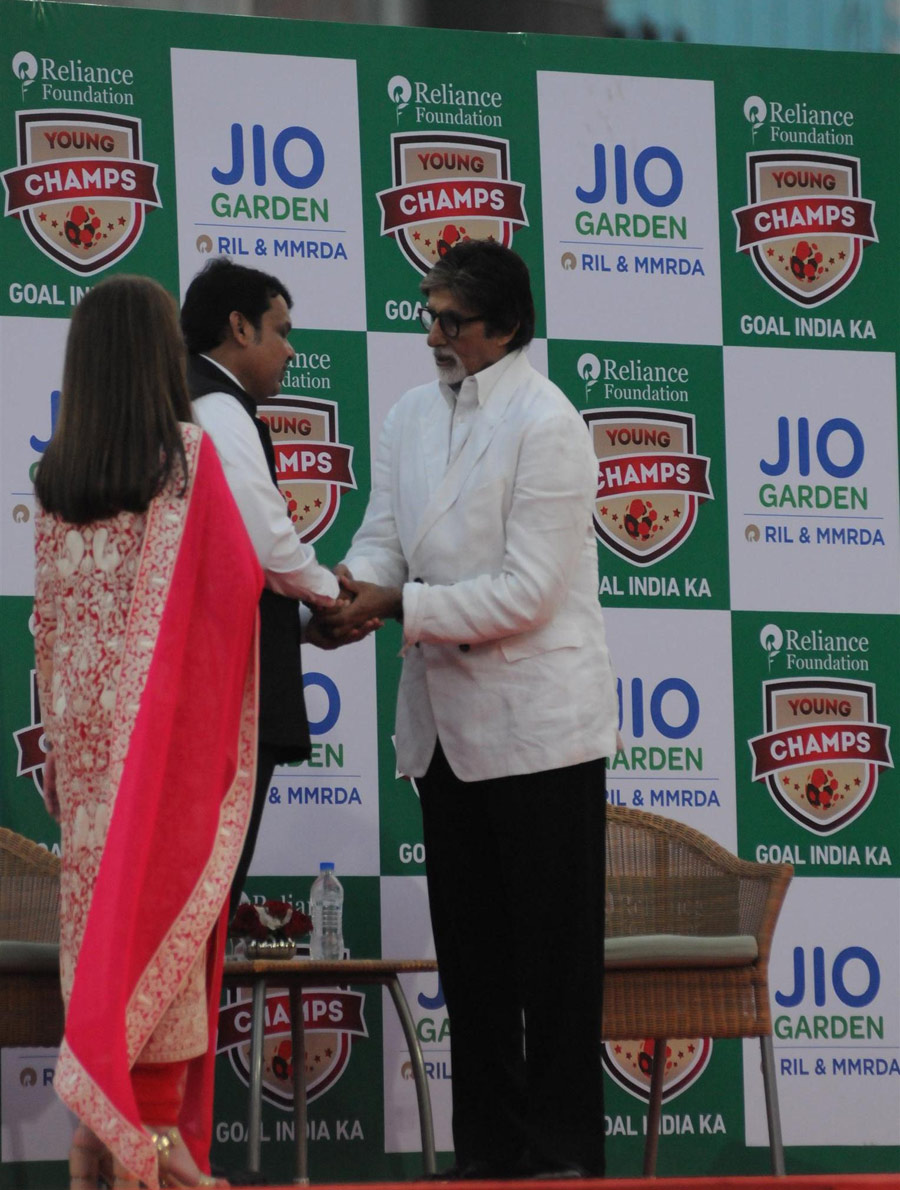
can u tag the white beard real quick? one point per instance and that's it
(450, 368)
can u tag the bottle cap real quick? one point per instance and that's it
(326, 866)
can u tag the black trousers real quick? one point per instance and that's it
(265, 767)
(515, 870)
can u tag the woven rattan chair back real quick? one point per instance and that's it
(665, 878)
(31, 1011)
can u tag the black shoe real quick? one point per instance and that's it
(470, 1171)
(243, 1177)
(562, 1173)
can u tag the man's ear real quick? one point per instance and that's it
(506, 337)
(240, 328)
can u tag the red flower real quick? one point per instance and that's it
(271, 919)
(297, 925)
(246, 923)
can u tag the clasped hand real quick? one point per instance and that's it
(361, 608)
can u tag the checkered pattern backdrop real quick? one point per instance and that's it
(713, 240)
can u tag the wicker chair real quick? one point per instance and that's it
(688, 935)
(31, 1010)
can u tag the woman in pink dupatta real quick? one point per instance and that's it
(145, 617)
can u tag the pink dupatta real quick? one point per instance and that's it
(182, 761)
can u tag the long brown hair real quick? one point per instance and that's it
(117, 441)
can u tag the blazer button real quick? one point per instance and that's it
(464, 648)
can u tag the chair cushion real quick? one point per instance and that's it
(679, 950)
(28, 957)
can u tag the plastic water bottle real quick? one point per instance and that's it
(326, 908)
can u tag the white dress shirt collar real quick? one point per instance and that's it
(231, 376)
(483, 382)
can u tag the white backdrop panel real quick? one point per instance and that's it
(31, 353)
(811, 441)
(630, 193)
(275, 185)
(835, 959)
(406, 934)
(674, 671)
(327, 808)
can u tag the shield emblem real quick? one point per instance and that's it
(631, 1063)
(821, 749)
(650, 481)
(806, 222)
(311, 465)
(80, 188)
(332, 1017)
(30, 742)
(449, 187)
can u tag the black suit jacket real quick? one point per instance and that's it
(283, 725)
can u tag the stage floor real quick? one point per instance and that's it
(842, 1181)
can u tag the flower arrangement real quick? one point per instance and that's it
(272, 920)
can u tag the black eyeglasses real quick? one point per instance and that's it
(450, 322)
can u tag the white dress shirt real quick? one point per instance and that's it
(505, 657)
(290, 566)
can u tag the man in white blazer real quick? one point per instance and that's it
(478, 536)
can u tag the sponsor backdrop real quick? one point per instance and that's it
(713, 238)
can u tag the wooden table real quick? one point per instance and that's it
(296, 974)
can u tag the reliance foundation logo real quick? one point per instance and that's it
(798, 123)
(72, 80)
(445, 103)
(25, 68)
(80, 187)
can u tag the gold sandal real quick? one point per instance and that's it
(166, 1140)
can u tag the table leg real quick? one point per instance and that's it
(257, 1032)
(298, 1050)
(651, 1145)
(420, 1077)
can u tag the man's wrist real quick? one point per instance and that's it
(396, 612)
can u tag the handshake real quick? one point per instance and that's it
(358, 610)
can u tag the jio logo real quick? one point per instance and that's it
(672, 707)
(296, 154)
(838, 447)
(655, 174)
(854, 977)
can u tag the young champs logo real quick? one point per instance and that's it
(821, 749)
(631, 1064)
(650, 480)
(311, 464)
(30, 742)
(332, 1017)
(80, 188)
(806, 222)
(448, 187)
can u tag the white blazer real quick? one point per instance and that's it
(504, 646)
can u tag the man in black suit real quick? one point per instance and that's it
(236, 323)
